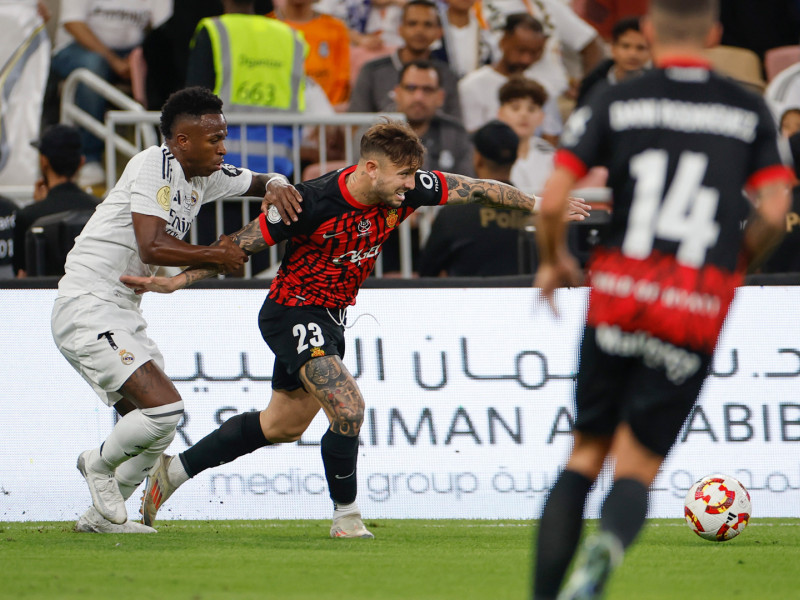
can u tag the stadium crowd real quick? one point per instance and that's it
(450, 66)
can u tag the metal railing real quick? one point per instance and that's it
(145, 135)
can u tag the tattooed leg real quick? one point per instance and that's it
(328, 380)
(336, 390)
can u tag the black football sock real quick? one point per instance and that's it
(339, 455)
(236, 437)
(624, 510)
(559, 532)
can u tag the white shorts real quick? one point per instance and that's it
(102, 342)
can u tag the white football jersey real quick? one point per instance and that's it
(153, 184)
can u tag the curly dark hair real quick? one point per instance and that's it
(194, 101)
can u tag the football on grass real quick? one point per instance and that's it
(717, 508)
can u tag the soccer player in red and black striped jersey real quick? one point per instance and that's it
(680, 143)
(333, 240)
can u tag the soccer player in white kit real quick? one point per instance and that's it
(97, 323)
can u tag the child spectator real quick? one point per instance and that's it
(521, 107)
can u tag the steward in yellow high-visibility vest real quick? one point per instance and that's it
(258, 66)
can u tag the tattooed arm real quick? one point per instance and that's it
(461, 190)
(248, 238)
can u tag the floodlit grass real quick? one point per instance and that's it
(288, 560)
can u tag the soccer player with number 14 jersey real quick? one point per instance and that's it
(680, 144)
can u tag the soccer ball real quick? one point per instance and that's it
(717, 508)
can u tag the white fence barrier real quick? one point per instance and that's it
(469, 396)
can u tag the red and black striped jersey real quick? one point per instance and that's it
(680, 144)
(334, 244)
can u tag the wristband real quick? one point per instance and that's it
(271, 179)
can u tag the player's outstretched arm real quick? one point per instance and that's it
(462, 189)
(248, 238)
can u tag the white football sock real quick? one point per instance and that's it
(340, 510)
(137, 431)
(131, 473)
(176, 474)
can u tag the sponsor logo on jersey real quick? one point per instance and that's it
(357, 256)
(126, 357)
(317, 352)
(324, 49)
(391, 218)
(230, 170)
(164, 197)
(364, 225)
(329, 234)
(273, 216)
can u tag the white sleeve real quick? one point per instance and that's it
(572, 31)
(228, 182)
(473, 111)
(148, 185)
(73, 10)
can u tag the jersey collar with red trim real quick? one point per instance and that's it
(345, 192)
(683, 61)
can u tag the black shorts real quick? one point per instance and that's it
(296, 334)
(643, 381)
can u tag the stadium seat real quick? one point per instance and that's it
(50, 238)
(740, 64)
(777, 59)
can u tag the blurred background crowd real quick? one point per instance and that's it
(487, 85)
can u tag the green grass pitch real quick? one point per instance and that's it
(409, 559)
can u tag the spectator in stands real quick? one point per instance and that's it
(60, 157)
(470, 240)
(328, 60)
(567, 36)
(98, 35)
(790, 122)
(419, 96)
(24, 64)
(522, 45)
(468, 43)
(521, 107)
(8, 209)
(261, 69)
(786, 257)
(783, 92)
(166, 48)
(371, 23)
(376, 82)
(630, 56)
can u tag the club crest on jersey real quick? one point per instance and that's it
(126, 357)
(164, 197)
(391, 218)
(317, 352)
(193, 200)
(364, 225)
(273, 216)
